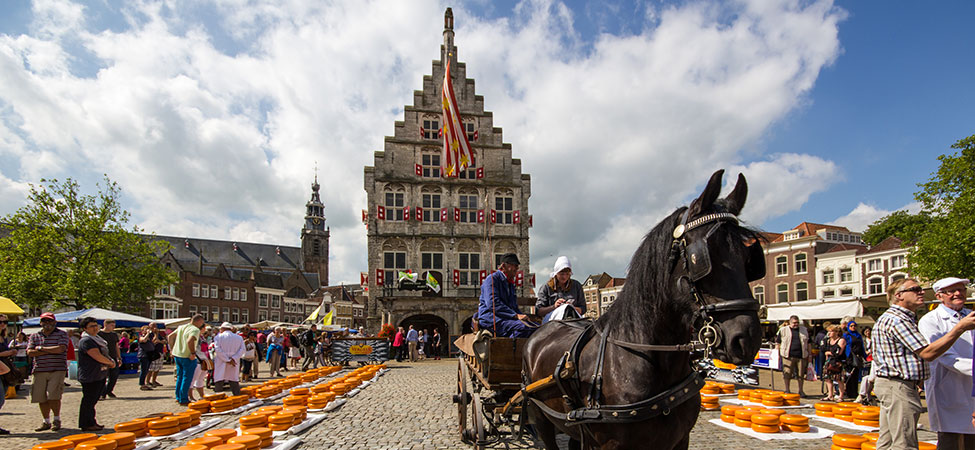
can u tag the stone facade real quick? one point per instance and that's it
(454, 228)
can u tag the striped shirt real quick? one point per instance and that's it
(49, 362)
(895, 341)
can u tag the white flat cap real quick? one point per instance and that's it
(950, 281)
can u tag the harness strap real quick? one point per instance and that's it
(645, 348)
(596, 386)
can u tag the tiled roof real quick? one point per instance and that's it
(891, 243)
(188, 250)
(809, 228)
(843, 247)
(615, 282)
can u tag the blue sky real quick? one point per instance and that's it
(212, 114)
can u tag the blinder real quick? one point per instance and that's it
(698, 260)
(755, 262)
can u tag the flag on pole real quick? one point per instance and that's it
(457, 153)
(327, 320)
(432, 283)
(408, 275)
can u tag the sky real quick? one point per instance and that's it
(212, 115)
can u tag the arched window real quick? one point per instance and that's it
(467, 198)
(875, 285)
(782, 293)
(504, 206)
(469, 263)
(759, 293)
(781, 265)
(394, 200)
(800, 260)
(802, 291)
(394, 260)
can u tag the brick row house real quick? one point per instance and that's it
(601, 291)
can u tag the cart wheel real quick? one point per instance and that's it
(462, 398)
(477, 421)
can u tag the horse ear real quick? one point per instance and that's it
(736, 199)
(709, 195)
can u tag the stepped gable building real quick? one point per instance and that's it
(455, 228)
(242, 282)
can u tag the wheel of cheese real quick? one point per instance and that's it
(225, 403)
(730, 409)
(842, 410)
(794, 419)
(222, 433)
(869, 446)
(54, 445)
(795, 428)
(164, 431)
(712, 390)
(97, 444)
(258, 420)
(229, 447)
(872, 436)
(184, 420)
(789, 396)
(839, 447)
(773, 403)
(755, 408)
(709, 407)
(194, 414)
(131, 427)
(867, 423)
(295, 400)
(728, 418)
(765, 419)
(191, 447)
(79, 438)
(163, 422)
(743, 423)
(202, 405)
(272, 408)
(300, 391)
(213, 397)
(765, 428)
(300, 412)
(745, 414)
(263, 432)
(123, 438)
(824, 414)
(926, 446)
(848, 440)
(843, 417)
(851, 405)
(281, 419)
(250, 441)
(773, 411)
(791, 402)
(267, 442)
(282, 427)
(824, 406)
(744, 394)
(774, 397)
(126, 447)
(866, 415)
(206, 441)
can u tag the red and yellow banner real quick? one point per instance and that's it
(457, 153)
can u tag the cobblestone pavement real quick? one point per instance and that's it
(408, 408)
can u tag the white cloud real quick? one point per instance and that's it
(864, 215)
(217, 143)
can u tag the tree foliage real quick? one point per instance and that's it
(67, 249)
(901, 224)
(946, 247)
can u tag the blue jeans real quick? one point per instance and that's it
(185, 368)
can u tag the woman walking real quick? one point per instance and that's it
(93, 365)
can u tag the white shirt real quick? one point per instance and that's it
(949, 388)
(228, 346)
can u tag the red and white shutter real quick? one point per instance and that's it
(476, 136)
(517, 217)
(443, 214)
(532, 278)
(456, 214)
(529, 221)
(480, 216)
(365, 216)
(406, 214)
(380, 277)
(419, 214)
(380, 212)
(419, 170)
(483, 275)
(520, 278)
(363, 278)
(494, 216)
(422, 131)
(456, 277)
(480, 173)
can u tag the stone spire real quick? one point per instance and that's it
(448, 38)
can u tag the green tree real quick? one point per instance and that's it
(901, 224)
(946, 247)
(72, 250)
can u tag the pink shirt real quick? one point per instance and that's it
(398, 339)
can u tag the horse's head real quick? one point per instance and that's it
(715, 260)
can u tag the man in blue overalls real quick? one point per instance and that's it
(497, 309)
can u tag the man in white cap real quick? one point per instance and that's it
(949, 388)
(560, 290)
(228, 349)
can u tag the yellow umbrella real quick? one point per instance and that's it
(7, 306)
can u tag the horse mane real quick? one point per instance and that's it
(651, 302)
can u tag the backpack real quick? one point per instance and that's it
(308, 339)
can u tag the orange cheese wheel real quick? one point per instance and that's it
(123, 438)
(840, 410)
(184, 419)
(267, 442)
(727, 418)
(222, 433)
(824, 406)
(765, 419)
(281, 418)
(709, 407)
(869, 446)
(824, 414)
(775, 397)
(843, 417)
(206, 441)
(213, 397)
(786, 396)
(774, 412)
(54, 445)
(164, 431)
(263, 432)
(283, 427)
(926, 446)
(131, 427)
(191, 447)
(97, 444)
(222, 403)
(744, 414)
(765, 428)
(743, 423)
(773, 403)
(201, 405)
(712, 390)
(300, 391)
(754, 408)
(249, 440)
(163, 422)
(270, 408)
(872, 436)
(838, 447)
(795, 428)
(79, 438)
(848, 440)
(866, 415)
(253, 420)
(851, 405)
(709, 399)
(229, 447)
(730, 409)
(867, 423)
(791, 402)
(794, 419)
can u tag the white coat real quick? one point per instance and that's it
(949, 388)
(228, 346)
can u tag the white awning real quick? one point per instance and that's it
(818, 309)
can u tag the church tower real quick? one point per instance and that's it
(314, 236)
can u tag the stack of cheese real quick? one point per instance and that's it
(137, 427)
(221, 433)
(123, 440)
(263, 432)
(868, 416)
(54, 445)
(164, 426)
(249, 441)
(709, 403)
(281, 421)
(206, 441)
(202, 406)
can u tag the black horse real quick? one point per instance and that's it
(689, 278)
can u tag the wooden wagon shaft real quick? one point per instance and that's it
(517, 398)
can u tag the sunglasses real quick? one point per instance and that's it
(915, 289)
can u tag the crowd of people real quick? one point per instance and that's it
(205, 357)
(897, 359)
